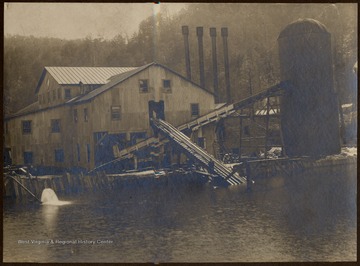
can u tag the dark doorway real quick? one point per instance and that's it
(7, 156)
(156, 109)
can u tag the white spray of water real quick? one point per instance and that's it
(48, 197)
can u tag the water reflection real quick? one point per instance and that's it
(178, 222)
(50, 216)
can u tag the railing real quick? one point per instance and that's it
(198, 153)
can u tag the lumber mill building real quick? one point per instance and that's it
(83, 113)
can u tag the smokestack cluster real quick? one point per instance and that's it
(199, 34)
(214, 60)
(213, 35)
(185, 32)
(224, 34)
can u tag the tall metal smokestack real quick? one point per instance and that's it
(199, 34)
(185, 32)
(215, 71)
(224, 34)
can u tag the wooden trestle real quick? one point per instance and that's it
(214, 166)
(195, 124)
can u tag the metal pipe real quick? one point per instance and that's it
(27, 190)
(214, 59)
(185, 32)
(224, 34)
(199, 34)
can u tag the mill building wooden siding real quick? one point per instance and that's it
(53, 88)
(78, 136)
(42, 142)
(134, 106)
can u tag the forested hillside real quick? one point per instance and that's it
(253, 31)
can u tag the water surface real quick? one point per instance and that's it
(307, 218)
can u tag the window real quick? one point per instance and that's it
(26, 127)
(167, 85)
(143, 85)
(55, 125)
(115, 112)
(59, 93)
(59, 155)
(75, 114)
(54, 95)
(48, 83)
(67, 94)
(246, 131)
(88, 152)
(28, 157)
(202, 142)
(195, 109)
(78, 151)
(49, 99)
(86, 115)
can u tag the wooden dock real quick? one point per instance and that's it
(78, 183)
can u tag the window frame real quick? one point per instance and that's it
(28, 128)
(59, 155)
(86, 115)
(67, 94)
(141, 86)
(112, 112)
(197, 106)
(55, 125)
(167, 88)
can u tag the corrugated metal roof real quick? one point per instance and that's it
(111, 81)
(114, 81)
(121, 77)
(87, 75)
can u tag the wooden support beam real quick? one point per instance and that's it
(267, 126)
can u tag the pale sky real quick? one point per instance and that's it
(80, 20)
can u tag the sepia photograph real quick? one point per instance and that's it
(162, 132)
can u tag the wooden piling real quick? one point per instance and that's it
(248, 176)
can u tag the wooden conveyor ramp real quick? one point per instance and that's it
(198, 154)
(195, 124)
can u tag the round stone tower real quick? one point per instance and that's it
(309, 109)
